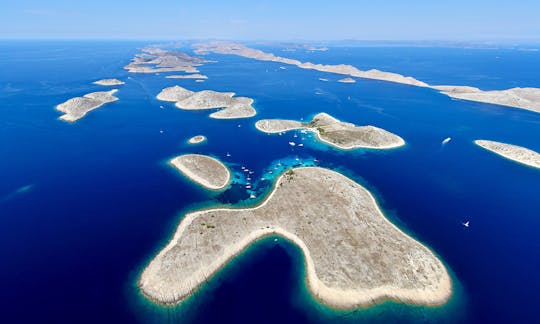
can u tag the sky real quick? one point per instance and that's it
(457, 20)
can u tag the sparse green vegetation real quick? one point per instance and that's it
(321, 130)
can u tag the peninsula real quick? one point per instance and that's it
(354, 256)
(204, 170)
(330, 130)
(76, 108)
(109, 82)
(197, 139)
(512, 152)
(524, 98)
(155, 60)
(232, 107)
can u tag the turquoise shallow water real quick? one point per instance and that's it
(84, 206)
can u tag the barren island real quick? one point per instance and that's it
(512, 152)
(233, 107)
(204, 170)
(76, 108)
(354, 256)
(336, 133)
(109, 82)
(197, 139)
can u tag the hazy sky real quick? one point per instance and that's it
(273, 20)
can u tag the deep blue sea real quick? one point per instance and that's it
(84, 206)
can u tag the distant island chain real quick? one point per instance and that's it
(524, 98)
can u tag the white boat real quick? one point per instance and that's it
(466, 224)
(446, 140)
(292, 143)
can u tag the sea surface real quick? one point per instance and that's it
(85, 206)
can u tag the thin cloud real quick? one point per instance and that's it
(47, 12)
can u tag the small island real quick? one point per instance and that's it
(231, 107)
(347, 80)
(512, 152)
(76, 108)
(109, 82)
(330, 130)
(197, 139)
(188, 76)
(204, 170)
(354, 256)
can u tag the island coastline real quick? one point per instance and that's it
(512, 152)
(204, 170)
(336, 298)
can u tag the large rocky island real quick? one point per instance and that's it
(336, 133)
(154, 60)
(524, 98)
(354, 256)
(204, 170)
(76, 108)
(233, 107)
(513, 152)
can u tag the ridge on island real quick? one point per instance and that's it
(204, 170)
(512, 152)
(523, 98)
(223, 47)
(109, 82)
(232, 107)
(330, 130)
(197, 139)
(154, 60)
(354, 256)
(76, 108)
